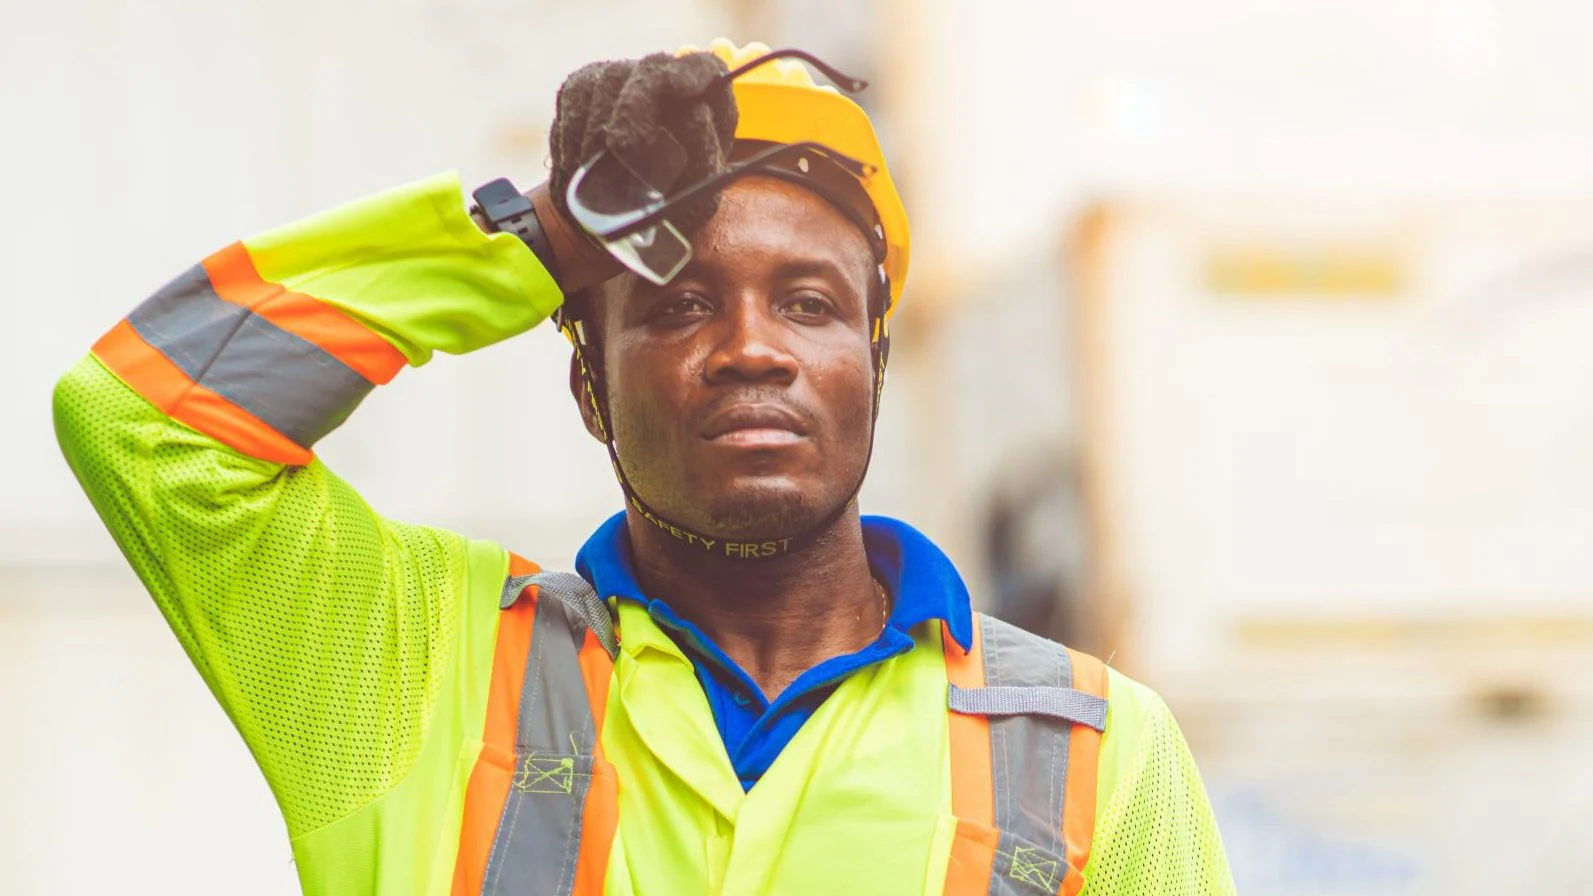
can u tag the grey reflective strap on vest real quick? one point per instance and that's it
(1059, 703)
(576, 593)
(291, 384)
(1026, 678)
(539, 834)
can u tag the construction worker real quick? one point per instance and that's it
(748, 687)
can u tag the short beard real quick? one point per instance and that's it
(753, 516)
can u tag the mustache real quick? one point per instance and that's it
(761, 395)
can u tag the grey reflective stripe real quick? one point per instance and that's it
(512, 586)
(539, 833)
(1024, 869)
(187, 321)
(576, 593)
(1059, 703)
(1028, 757)
(293, 385)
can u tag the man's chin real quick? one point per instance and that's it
(761, 508)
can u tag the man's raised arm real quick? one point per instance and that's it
(324, 630)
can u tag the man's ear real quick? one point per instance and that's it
(582, 401)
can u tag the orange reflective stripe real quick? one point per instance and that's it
(973, 857)
(1084, 751)
(973, 851)
(494, 769)
(153, 375)
(597, 668)
(520, 566)
(236, 280)
(600, 815)
(972, 791)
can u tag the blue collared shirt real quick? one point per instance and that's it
(923, 585)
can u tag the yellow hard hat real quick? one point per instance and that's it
(780, 103)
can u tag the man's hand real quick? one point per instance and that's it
(657, 113)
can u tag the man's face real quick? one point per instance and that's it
(741, 393)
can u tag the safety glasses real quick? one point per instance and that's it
(626, 206)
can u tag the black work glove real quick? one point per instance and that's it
(652, 112)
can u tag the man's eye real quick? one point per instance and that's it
(808, 306)
(683, 306)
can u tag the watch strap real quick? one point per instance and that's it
(508, 210)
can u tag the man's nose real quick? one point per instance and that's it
(751, 345)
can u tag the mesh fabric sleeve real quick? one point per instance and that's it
(1154, 829)
(322, 628)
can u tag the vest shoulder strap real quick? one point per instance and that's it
(1026, 720)
(548, 795)
(584, 610)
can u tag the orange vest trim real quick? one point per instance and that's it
(1024, 712)
(600, 815)
(493, 773)
(1084, 755)
(541, 808)
(163, 384)
(235, 279)
(973, 851)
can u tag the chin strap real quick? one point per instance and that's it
(588, 355)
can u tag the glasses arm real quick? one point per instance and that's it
(841, 79)
(741, 169)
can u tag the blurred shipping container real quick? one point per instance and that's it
(1338, 457)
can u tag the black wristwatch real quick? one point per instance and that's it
(507, 209)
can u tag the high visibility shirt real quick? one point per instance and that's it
(355, 654)
(922, 583)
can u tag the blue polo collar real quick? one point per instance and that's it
(921, 579)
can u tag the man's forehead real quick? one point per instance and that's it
(772, 220)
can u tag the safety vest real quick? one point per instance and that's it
(1024, 724)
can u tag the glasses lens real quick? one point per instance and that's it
(657, 253)
(607, 194)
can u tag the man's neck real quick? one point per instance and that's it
(775, 616)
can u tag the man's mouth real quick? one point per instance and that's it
(755, 426)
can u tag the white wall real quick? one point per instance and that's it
(1035, 107)
(122, 775)
(145, 135)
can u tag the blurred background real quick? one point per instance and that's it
(1246, 342)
